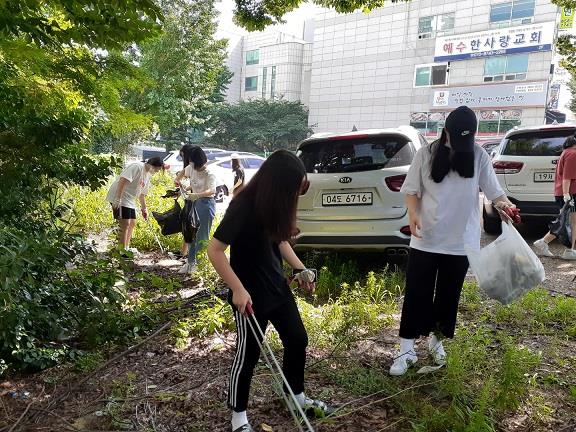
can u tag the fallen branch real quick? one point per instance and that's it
(332, 417)
(15, 425)
(64, 396)
(391, 424)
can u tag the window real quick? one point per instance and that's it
(253, 163)
(506, 68)
(497, 122)
(273, 83)
(225, 164)
(431, 75)
(428, 124)
(251, 83)
(264, 73)
(252, 57)
(536, 143)
(430, 25)
(358, 154)
(516, 10)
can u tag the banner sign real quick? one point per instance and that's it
(521, 39)
(492, 96)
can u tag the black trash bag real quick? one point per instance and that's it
(189, 221)
(170, 221)
(561, 226)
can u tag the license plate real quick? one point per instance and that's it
(347, 199)
(541, 177)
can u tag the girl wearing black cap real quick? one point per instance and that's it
(442, 199)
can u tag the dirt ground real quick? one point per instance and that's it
(156, 387)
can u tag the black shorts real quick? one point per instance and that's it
(124, 213)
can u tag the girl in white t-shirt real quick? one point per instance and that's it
(442, 199)
(132, 184)
(201, 191)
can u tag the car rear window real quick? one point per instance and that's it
(343, 155)
(537, 143)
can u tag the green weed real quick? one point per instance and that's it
(89, 361)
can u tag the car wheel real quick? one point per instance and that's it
(221, 192)
(491, 224)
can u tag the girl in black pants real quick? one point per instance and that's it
(257, 226)
(442, 198)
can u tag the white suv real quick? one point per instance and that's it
(354, 200)
(525, 163)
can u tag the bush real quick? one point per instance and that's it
(50, 311)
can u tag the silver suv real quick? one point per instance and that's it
(354, 200)
(525, 164)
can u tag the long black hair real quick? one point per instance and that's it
(273, 192)
(192, 154)
(444, 160)
(184, 151)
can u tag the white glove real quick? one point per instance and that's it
(306, 275)
(191, 196)
(568, 199)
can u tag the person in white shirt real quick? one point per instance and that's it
(441, 190)
(133, 183)
(201, 191)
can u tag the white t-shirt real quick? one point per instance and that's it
(449, 211)
(201, 181)
(139, 183)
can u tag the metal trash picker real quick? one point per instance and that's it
(154, 234)
(276, 370)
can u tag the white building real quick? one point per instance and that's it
(270, 65)
(414, 62)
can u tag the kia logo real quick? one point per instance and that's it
(345, 180)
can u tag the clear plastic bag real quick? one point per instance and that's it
(506, 268)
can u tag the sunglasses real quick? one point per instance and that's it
(304, 187)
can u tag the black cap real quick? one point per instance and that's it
(461, 124)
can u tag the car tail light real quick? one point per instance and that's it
(406, 230)
(344, 137)
(394, 183)
(507, 167)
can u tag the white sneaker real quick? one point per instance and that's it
(569, 254)
(437, 352)
(403, 362)
(188, 269)
(542, 248)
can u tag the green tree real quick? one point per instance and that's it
(186, 67)
(258, 14)
(259, 125)
(58, 78)
(61, 80)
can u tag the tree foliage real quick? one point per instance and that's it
(94, 23)
(258, 14)
(259, 125)
(185, 66)
(62, 77)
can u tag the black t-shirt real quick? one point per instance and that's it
(254, 257)
(239, 175)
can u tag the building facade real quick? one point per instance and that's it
(270, 65)
(411, 63)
